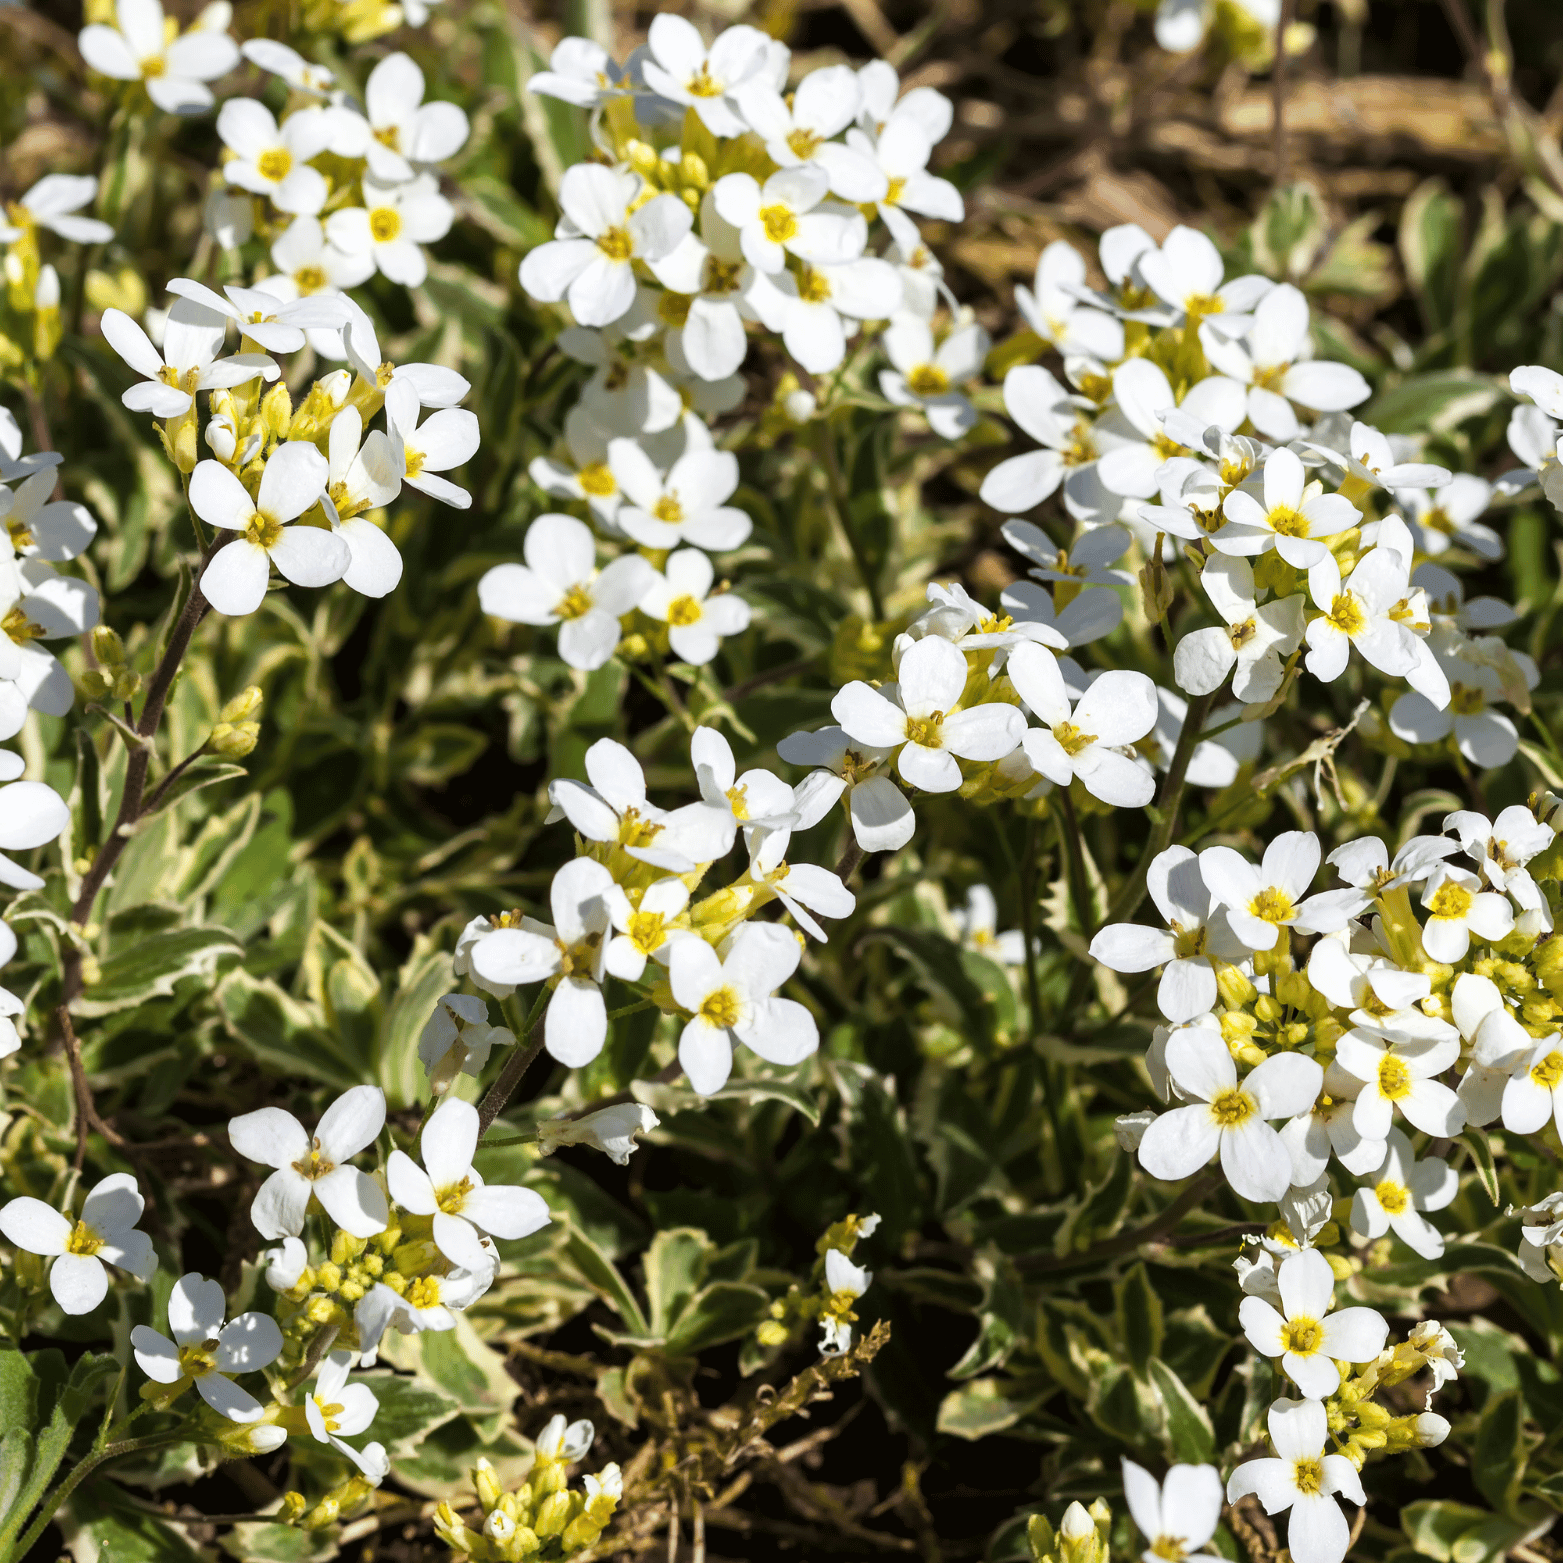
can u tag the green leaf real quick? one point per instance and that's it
(153, 966)
(409, 1409)
(1431, 246)
(1498, 1458)
(1288, 232)
(675, 1266)
(278, 1544)
(1189, 1437)
(419, 987)
(600, 1273)
(1434, 402)
(1139, 1318)
(985, 1406)
(1480, 1147)
(723, 1311)
(101, 1521)
(284, 1035)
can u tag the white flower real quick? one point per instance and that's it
(1117, 709)
(1304, 1334)
(977, 927)
(41, 528)
(930, 378)
(1185, 273)
(560, 584)
(570, 951)
(1181, 25)
(294, 478)
(1302, 1478)
(31, 814)
(271, 321)
(335, 1410)
(1196, 937)
(1047, 412)
(686, 505)
(447, 438)
(1365, 866)
(315, 1165)
(1397, 1072)
(105, 1233)
(285, 1266)
(918, 717)
(1498, 1043)
(1539, 1236)
(611, 1130)
(431, 1302)
(730, 999)
(306, 262)
(1446, 517)
(50, 203)
(646, 928)
(797, 133)
(566, 1444)
(1262, 900)
(187, 363)
(900, 152)
(1294, 518)
(407, 134)
(390, 227)
(782, 218)
(1534, 1092)
(1360, 612)
(448, 1188)
(138, 50)
(1485, 737)
(300, 74)
(273, 160)
(882, 818)
(614, 808)
(1457, 908)
(1142, 442)
(588, 261)
(361, 478)
(1275, 361)
(800, 887)
(1369, 457)
(820, 306)
(49, 606)
(755, 800)
(461, 1019)
(1087, 562)
(1501, 848)
(1056, 314)
(697, 621)
(204, 1350)
(1176, 1517)
(1229, 1118)
(1328, 1127)
(846, 1282)
(1094, 613)
(1398, 1191)
(579, 72)
(587, 475)
(683, 70)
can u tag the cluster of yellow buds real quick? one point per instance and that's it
(113, 678)
(543, 1512)
(1363, 1426)
(838, 1285)
(237, 730)
(1081, 1536)
(341, 1502)
(324, 1295)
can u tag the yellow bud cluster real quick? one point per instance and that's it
(1081, 1536)
(542, 1513)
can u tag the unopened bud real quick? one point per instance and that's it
(486, 1483)
(276, 410)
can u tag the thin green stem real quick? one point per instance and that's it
(1028, 922)
(516, 1066)
(1079, 889)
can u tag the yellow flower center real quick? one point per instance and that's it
(1450, 900)
(722, 276)
(385, 222)
(1241, 634)
(1347, 615)
(263, 531)
(275, 164)
(309, 279)
(1303, 1335)
(893, 194)
(683, 611)
(328, 1413)
(928, 380)
(424, 1292)
(674, 309)
(1188, 942)
(21, 534)
(1437, 520)
(1548, 1072)
(647, 932)
(803, 144)
(703, 85)
(451, 1198)
(1204, 304)
(1232, 1107)
(1309, 1476)
(574, 603)
(20, 628)
(152, 67)
(313, 1166)
(1272, 906)
(1081, 447)
(1071, 740)
(616, 244)
(1394, 1197)
(925, 731)
(1394, 1079)
(1288, 522)
(635, 831)
(720, 1008)
(1173, 1548)
(813, 286)
(198, 1361)
(738, 802)
(83, 1240)
(668, 509)
(1466, 700)
(596, 479)
(1270, 379)
(779, 222)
